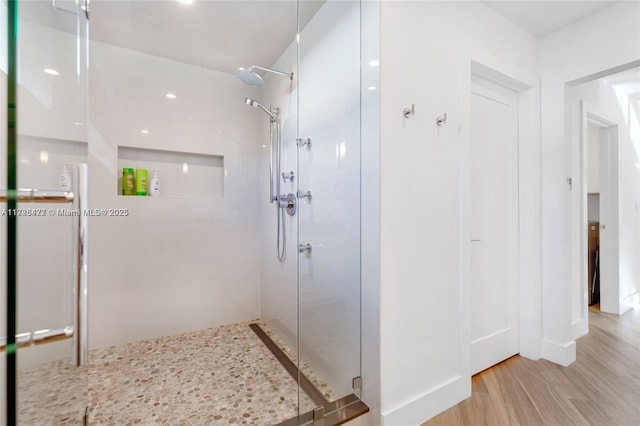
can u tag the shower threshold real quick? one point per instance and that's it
(326, 413)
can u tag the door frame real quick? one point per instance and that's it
(572, 246)
(529, 214)
(484, 356)
(589, 114)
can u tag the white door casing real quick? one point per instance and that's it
(494, 224)
(609, 253)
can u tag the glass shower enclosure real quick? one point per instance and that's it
(44, 103)
(180, 305)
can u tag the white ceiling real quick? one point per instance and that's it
(216, 34)
(220, 35)
(544, 17)
(226, 34)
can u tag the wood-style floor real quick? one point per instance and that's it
(601, 388)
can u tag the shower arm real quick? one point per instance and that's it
(256, 67)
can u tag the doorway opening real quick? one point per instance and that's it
(600, 166)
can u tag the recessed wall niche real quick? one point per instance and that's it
(182, 174)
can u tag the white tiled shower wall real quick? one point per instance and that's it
(177, 263)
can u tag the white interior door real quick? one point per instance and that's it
(494, 224)
(609, 252)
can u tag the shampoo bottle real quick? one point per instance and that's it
(154, 184)
(64, 179)
(141, 182)
(128, 181)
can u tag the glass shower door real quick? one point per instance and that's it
(329, 202)
(45, 363)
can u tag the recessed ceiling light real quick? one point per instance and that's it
(171, 95)
(374, 63)
(371, 88)
(51, 71)
(77, 123)
(186, 1)
(144, 131)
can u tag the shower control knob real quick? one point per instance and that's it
(302, 248)
(302, 194)
(288, 176)
(302, 142)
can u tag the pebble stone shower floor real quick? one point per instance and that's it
(217, 376)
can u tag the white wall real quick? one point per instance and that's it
(177, 263)
(634, 121)
(582, 49)
(426, 54)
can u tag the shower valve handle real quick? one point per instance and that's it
(289, 203)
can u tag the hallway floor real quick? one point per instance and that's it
(601, 388)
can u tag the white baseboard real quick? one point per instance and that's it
(629, 302)
(579, 328)
(429, 404)
(563, 354)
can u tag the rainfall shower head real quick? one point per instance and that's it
(250, 77)
(256, 104)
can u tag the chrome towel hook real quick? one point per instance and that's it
(441, 120)
(409, 112)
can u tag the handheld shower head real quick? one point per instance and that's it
(256, 104)
(250, 77)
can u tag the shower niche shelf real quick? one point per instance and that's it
(182, 174)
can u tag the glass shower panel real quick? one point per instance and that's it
(3, 219)
(329, 198)
(51, 142)
(178, 281)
